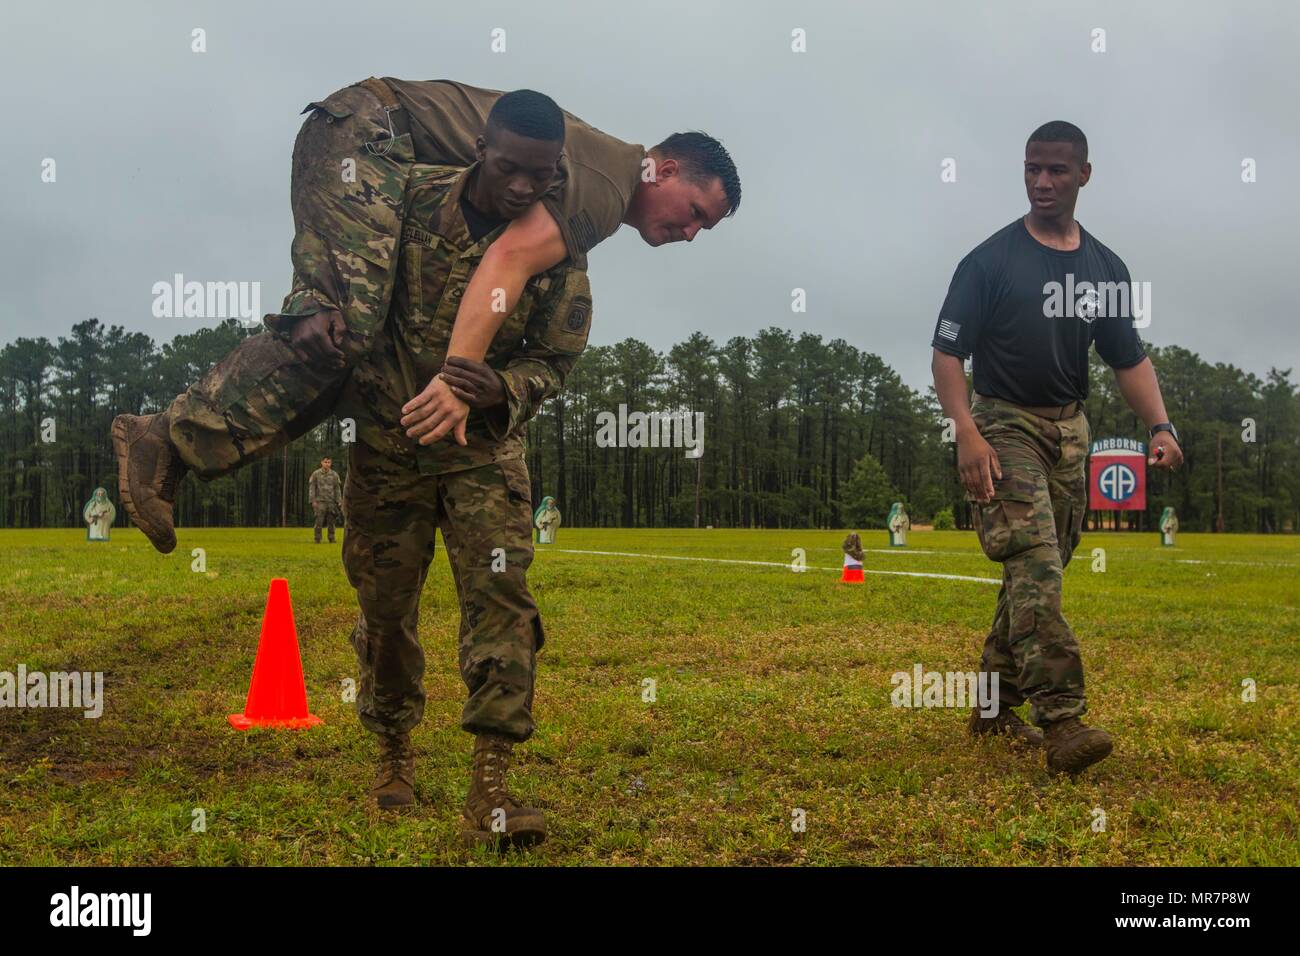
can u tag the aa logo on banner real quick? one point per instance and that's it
(1117, 475)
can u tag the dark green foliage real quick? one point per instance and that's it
(786, 420)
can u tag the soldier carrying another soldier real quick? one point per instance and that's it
(400, 491)
(351, 162)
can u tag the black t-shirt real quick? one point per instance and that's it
(1028, 314)
(478, 224)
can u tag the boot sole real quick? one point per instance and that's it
(521, 838)
(1017, 740)
(1085, 758)
(121, 449)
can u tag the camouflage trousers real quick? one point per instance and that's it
(327, 515)
(349, 177)
(1032, 526)
(485, 517)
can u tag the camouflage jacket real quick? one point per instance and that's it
(324, 487)
(533, 352)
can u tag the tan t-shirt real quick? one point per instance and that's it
(597, 173)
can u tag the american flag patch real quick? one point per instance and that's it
(583, 230)
(949, 330)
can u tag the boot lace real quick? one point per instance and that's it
(495, 763)
(392, 762)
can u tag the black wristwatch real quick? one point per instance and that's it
(1167, 427)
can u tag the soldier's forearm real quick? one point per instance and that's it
(492, 294)
(530, 245)
(950, 386)
(1141, 391)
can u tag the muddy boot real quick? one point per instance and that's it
(1071, 746)
(148, 470)
(492, 815)
(395, 784)
(1007, 724)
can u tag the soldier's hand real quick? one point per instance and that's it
(314, 337)
(474, 382)
(434, 412)
(1173, 455)
(978, 465)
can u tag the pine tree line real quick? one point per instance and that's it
(798, 432)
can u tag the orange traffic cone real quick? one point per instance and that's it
(277, 696)
(852, 573)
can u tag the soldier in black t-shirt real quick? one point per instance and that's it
(1025, 306)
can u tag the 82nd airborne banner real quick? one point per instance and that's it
(1117, 475)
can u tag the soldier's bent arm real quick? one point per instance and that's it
(529, 246)
(554, 338)
(1141, 390)
(950, 386)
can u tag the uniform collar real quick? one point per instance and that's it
(451, 220)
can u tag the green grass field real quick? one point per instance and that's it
(772, 694)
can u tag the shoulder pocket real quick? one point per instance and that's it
(569, 321)
(332, 106)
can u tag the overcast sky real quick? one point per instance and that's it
(172, 161)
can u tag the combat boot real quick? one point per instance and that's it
(1007, 724)
(148, 471)
(395, 784)
(1071, 746)
(492, 815)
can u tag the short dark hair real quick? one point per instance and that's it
(527, 113)
(1059, 131)
(702, 159)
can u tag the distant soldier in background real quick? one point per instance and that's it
(325, 492)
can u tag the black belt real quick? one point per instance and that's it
(1054, 412)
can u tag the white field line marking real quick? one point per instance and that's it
(898, 551)
(978, 554)
(1244, 564)
(773, 564)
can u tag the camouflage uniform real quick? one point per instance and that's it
(346, 236)
(325, 491)
(1032, 526)
(398, 492)
(263, 395)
